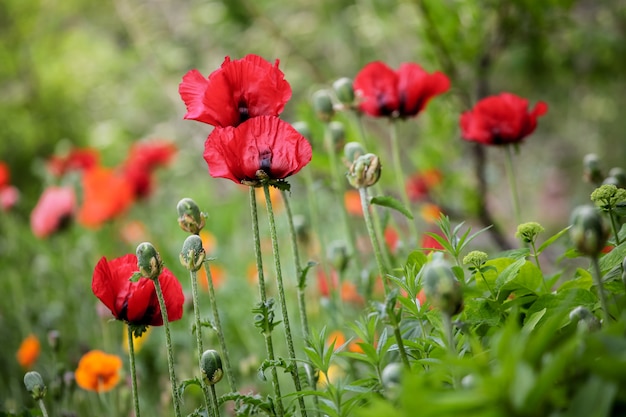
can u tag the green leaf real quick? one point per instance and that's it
(613, 258)
(552, 239)
(392, 203)
(305, 271)
(584, 281)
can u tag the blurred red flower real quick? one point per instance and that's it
(135, 302)
(500, 120)
(238, 90)
(106, 194)
(143, 158)
(54, 210)
(264, 143)
(418, 185)
(9, 195)
(429, 243)
(5, 175)
(77, 159)
(402, 93)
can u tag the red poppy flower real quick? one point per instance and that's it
(261, 143)
(78, 159)
(500, 120)
(142, 160)
(106, 194)
(238, 90)
(135, 302)
(429, 243)
(419, 185)
(402, 93)
(5, 175)
(53, 211)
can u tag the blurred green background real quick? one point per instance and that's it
(106, 74)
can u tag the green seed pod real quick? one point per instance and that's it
(149, 261)
(344, 91)
(190, 218)
(620, 175)
(442, 288)
(192, 254)
(352, 150)
(35, 385)
(338, 134)
(211, 367)
(365, 171)
(591, 169)
(589, 232)
(323, 105)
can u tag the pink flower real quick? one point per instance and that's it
(53, 211)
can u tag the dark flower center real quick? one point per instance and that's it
(265, 160)
(244, 113)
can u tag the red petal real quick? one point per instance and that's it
(143, 304)
(376, 88)
(416, 87)
(192, 90)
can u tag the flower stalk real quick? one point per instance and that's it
(400, 183)
(133, 373)
(510, 173)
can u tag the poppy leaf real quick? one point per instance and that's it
(391, 202)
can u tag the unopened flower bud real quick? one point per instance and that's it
(211, 367)
(303, 128)
(344, 91)
(476, 258)
(442, 288)
(35, 385)
(591, 169)
(364, 171)
(149, 261)
(391, 377)
(192, 254)
(351, 151)
(323, 105)
(620, 175)
(337, 134)
(585, 319)
(589, 232)
(190, 218)
(527, 232)
(338, 255)
(611, 181)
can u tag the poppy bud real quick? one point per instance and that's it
(391, 378)
(337, 134)
(352, 150)
(611, 181)
(585, 319)
(364, 171)
(338, 255)
(591, 169)
(149, 261)
(442, 288)
(35, 385)
(193, 254)
(190, 218)
(303, 129)
(344, 91)
(323, 105)
(620, 175)
(589, 231)
(211, 367)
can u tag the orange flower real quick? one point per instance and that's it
(418, 185)
(134, 232)
(391, 238)
(349, 293)
(106, 195)
(209, 241)
(275, 198)
(217, 275)
(336, 336)
(252, 274)
(430, 212)
(355, 347)
(98, 371)
(421, 297)
(28, 352)
(352, 201)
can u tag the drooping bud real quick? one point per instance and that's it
(351, 151)
(149, 261)
(190, 218)
(442, 288)
(527, 232)
(591, 169)
(35, 385)
(337, 134)
(211, 367)
(364, 171)
(344, 91)
(589, 232)
(323, 105)
(586, 320)
(192, 254)
(620, 175)
(338, 255)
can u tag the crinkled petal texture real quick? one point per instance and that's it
(403, 93)
(135, 302)
(261, 143)
(500, 120)
(55, 206)
(238, 90)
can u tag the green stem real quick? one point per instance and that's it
(536, 256)
(281, 296)
(614, 225)
(398, 336)
(170, 352)
(133, 374)
(269, 347)
(400, 183)
(373, 238)
(338, 188)
(42, 406)
(488, 286)
(449, 332)
(200, 348)
(218, 327)
(510, 173)
(597, 277)
(216, 404)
